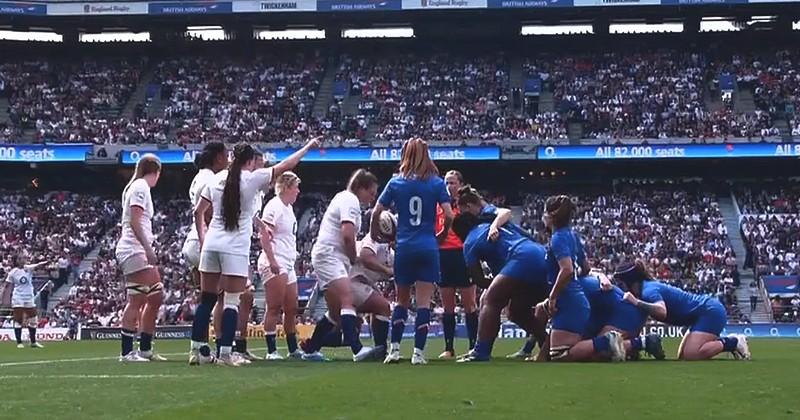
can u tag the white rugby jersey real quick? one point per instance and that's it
(137, 194)
(284, 232)
(22, 281)
(344, 207)
(234, 242)
(203, 177)
(383, 252)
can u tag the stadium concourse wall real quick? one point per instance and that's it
(507, 330)
(87, 153)
(204, 7)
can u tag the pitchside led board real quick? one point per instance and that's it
(670, 151)
(34, 153)
(380, 154)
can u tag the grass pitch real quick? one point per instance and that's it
(83, 380)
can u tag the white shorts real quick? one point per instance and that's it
(266, 274)
(23, 302)
(191, 252)
(224, 263)
(133, 264)
(329, 266)
(360, 292)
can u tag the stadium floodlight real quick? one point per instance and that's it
(528, 30)
(265, 34)
(206, 33)
(644, 28)
(378, 33)
(115, 37)
(30, 36)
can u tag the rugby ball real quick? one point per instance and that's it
(387, 225)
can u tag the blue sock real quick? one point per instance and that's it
(483, 349)
(217, 343)
(271, 346)
(421, 330)
(449, 325)
(32, 335)
(240, 344)
(145, 342)
(202, 317)
(529, 346)
(349, 332)
(637, 343)
(729, 343)
(291, 342)
(18, 336)
(380, 330)
(601, 344)
(399, 316)
(321, 330)
(472, 328)
(333, 339)
(127, 341)
(230, 318)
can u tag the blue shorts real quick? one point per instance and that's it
(526, 263)
(416, 265)
(712, 318)
(573, 309)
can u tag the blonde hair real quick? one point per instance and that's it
(415, 160)
(147, 164)
(285, 181)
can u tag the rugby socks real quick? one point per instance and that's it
(729, 343)
(637, 343)
(380, 330)
(239, 343)
(601, 344)
(399, 316)
(291, 342)
(449, 324)
(472, 328)
(529, 346)
(145, 342)
(18, 334)
(202, 317)
(217, 342)
(349, 330)
(421, 331)
(333, 339)
(321, 330)
(32, 334)
(230, 318)
(270, 337)
(127, 341)
(483, 350)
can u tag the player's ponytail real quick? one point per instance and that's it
(560, 209)
(147, 164)
(415, 160)
(231, 194)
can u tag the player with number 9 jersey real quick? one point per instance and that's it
(414, 194)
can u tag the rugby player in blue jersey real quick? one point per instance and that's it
(703, 314)
(520, 278)
(414, 193)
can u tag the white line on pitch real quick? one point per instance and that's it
(88, 359)
(76, 376)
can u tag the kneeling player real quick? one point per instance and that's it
(375, 263)
(703, 314)
(520, 279)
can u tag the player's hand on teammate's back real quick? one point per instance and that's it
(494, 233)
(630, 298)
(552, 308)
(605, 282)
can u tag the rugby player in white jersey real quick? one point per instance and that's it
(332, 256)
(137, 260)
(23, 307)
(276, 265)
(225, 243)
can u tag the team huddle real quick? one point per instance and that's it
(425, 232)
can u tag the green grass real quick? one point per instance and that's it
(102, 388)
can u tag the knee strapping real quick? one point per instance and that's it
(155, 289)
(137, 289)
(231, 300)
(559, 352)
